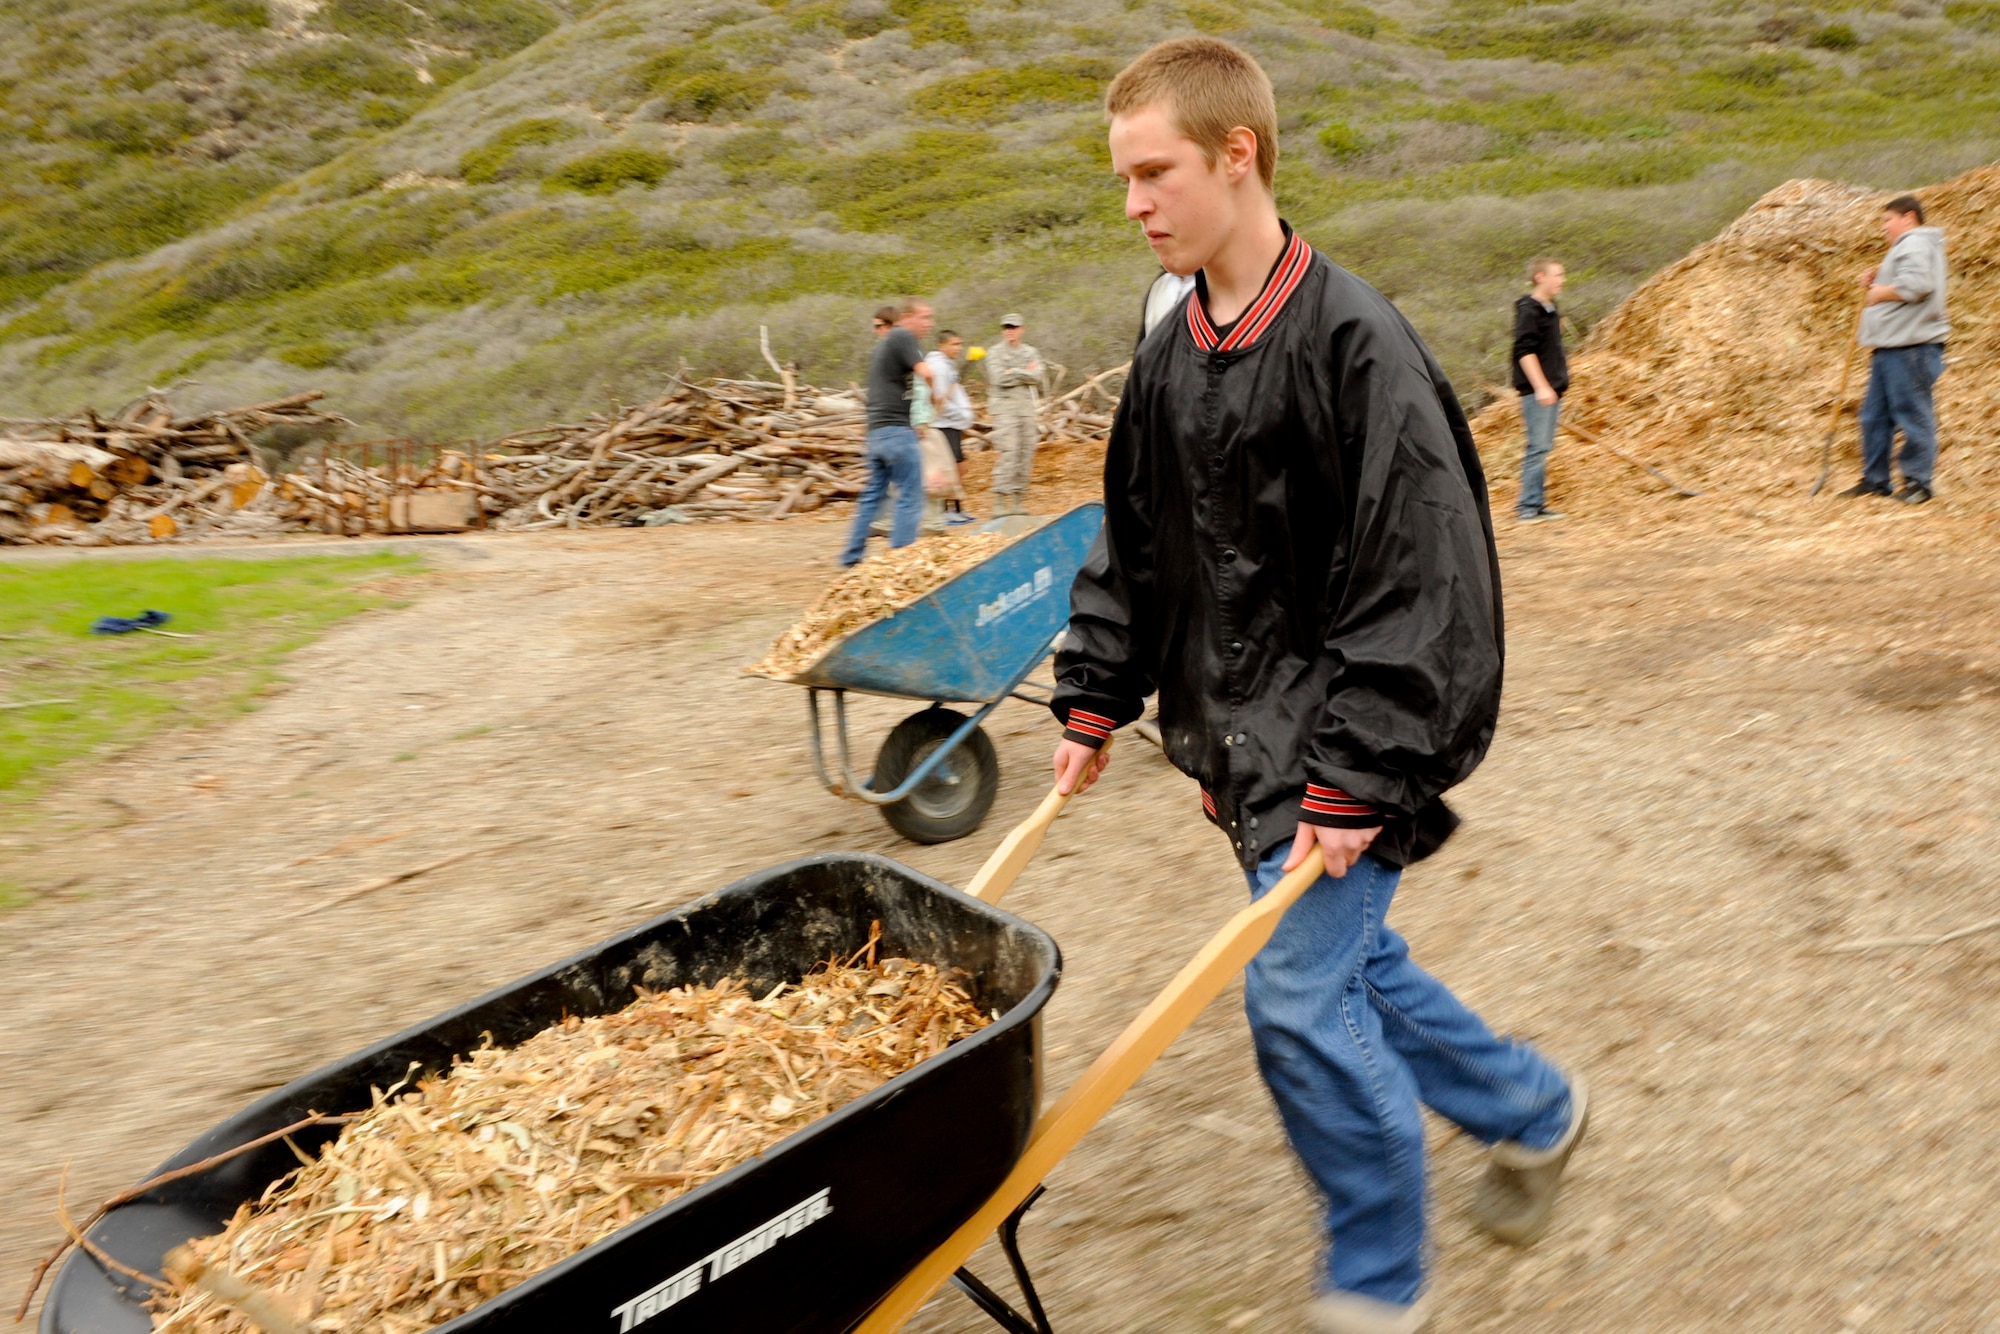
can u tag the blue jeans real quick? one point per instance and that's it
(894, 458)
(1899, 396)
(1541, 424)
(1351, 1036)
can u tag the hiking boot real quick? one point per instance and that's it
(1517, 1196)
(1351, 1313)
(1863, 489)
(1913, 493)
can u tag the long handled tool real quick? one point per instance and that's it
(1839, 401)
(1087, 1100)
(1592, 438)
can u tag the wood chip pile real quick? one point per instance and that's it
(878, 587)
(444, 1196)
(144, 474)
(1722, 369)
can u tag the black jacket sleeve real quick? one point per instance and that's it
(1527, 333)
(1414, 613)
(1105, 668)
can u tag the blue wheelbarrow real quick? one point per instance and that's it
(972, 640)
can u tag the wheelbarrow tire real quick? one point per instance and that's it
(954, 800)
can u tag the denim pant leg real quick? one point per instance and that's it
(906, 470)
(1493, 1088)
(1347, 1100)
(1915, 410)
(1540, 423)
(873, 491)
(1878, 424)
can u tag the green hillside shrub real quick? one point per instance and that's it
(1343, 16)
(127, 211)
(489, 28)
(988, 93)
(1213, 15)
(1835, 37)
(245, 15)
(934, 21)
(342, 69)
(1979, 15)
(610, 169)
(132, 124)
(494, 160)
(1564, 39)
(699, 85)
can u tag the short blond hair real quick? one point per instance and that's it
(1209, 87)
(1542, 264)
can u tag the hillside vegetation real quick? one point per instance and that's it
(463, 217)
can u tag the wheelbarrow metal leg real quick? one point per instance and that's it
(991, 1302)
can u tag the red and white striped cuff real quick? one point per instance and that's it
(1208, 804)
(1087, 728)
(1333, 808)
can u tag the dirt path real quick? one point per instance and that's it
(1721, 755)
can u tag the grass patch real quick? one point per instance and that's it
(246, 617)
(496, 159)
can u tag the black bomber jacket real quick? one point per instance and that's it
(1297, 555)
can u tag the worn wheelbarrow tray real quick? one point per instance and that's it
(972, 640)
(805, 1238)
(965, 641)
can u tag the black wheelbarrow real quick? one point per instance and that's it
(849, 1224)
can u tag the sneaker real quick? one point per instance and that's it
(957, 517)
(1539, 516)
(1913, 493)
(1517, 1196)
(1863, 489)
(1351, 1313)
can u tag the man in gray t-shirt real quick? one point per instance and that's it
(1905, 325)
(894, 457)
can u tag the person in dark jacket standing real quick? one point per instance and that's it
(1297, 555)
(1541, 377)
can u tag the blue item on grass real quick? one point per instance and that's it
(125, 625)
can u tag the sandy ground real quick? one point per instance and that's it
(1727, 748)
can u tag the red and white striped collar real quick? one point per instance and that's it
(1250, 326)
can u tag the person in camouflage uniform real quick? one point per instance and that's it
(1015, 371)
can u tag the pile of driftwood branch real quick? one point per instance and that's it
(143, 474)
(708, 449)
(705, 450)
(1085, 412)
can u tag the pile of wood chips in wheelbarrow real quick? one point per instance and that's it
(444, 1195)
(880, 586)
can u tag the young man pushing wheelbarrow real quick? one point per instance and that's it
(1297, 555)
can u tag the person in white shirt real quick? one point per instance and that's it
(954, 407)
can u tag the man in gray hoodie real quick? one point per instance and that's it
(1904, 322)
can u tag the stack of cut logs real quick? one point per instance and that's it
(143, 474)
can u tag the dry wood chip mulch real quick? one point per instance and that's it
(876, 588)
(445, 1195)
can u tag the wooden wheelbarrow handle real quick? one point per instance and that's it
(1016, 850)
(1109, 1076)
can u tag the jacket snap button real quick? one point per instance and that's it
(1236, 646)
(1242, 738)
(1253, 822)
(1229, 555)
